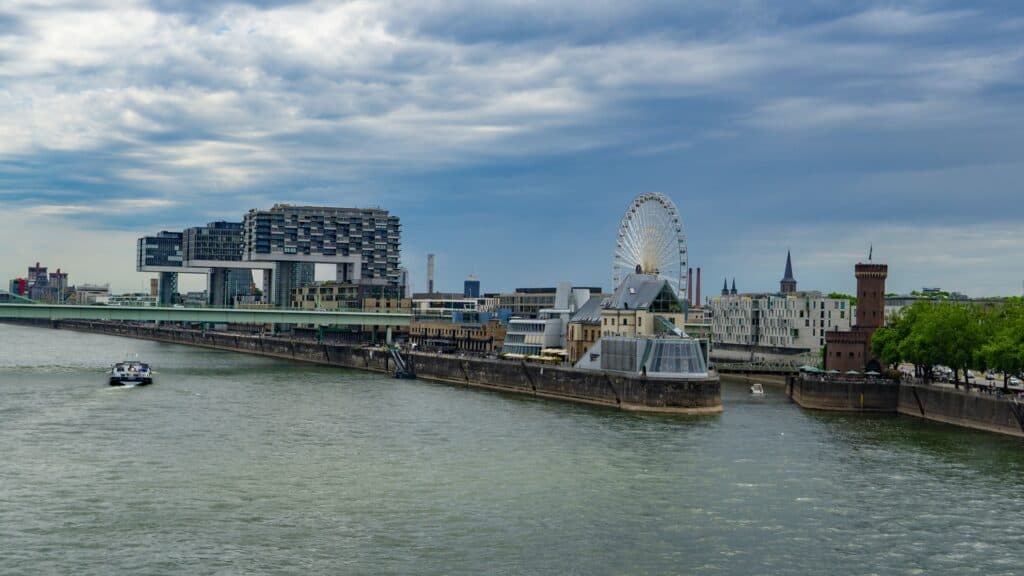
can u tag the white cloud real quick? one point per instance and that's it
(895, 21)
(118, 207)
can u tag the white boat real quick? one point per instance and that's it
(756, 389)
(130, 372)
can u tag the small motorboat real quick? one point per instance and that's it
(130, 372)
(756, 389)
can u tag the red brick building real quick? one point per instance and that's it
(852, 350)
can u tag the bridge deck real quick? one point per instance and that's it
(212, 315)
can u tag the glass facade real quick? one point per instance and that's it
(164, 249)
(675, 356)
(370, 233)
(215, 241)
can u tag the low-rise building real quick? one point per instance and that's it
(796, 321)
(136, 299)
(442, 304)
(584, 328)
(548, 332)
(641, 328)
(643, 305)
(452, 336)
(90, 293)
(528, 302)
(347, 296)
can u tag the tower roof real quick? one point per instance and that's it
(789, 269)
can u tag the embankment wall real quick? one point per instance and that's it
(994, 413)
(989, 412)
(846, 395)
(616, 391)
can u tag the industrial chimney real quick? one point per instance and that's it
(430, 273)
(698, 287)
(689, 287)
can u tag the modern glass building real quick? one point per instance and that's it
(215, 241)
(163, 250)
(369, 236)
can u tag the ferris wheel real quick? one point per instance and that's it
(651, 241)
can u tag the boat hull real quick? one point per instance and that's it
(119, 381)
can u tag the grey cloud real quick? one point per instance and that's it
(225, 98)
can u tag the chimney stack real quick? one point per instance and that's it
(698, 287)
(430, 273)
(689, 287)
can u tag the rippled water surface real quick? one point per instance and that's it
(235, 464)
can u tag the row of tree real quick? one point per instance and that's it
(961, 336)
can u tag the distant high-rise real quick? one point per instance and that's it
(37, 275)
(471, 287)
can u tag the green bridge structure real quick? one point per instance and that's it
(21, 311)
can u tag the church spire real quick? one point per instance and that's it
(725, 287)
(733, 291)
(788, 283)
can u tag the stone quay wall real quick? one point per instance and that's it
(843, 394)
(993, 413)
(989, 412)
(562, 383)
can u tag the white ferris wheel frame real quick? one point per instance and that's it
(671, 248)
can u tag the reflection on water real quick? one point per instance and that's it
(238, 464)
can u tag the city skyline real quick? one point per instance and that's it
(511, 142)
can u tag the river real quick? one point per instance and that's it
(236, 464)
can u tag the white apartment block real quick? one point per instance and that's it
(796, 321)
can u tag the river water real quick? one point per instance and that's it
(236, 464)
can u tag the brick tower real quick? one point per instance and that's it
(852, 350)
(871, 295)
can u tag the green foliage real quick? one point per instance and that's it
(960, 336)
(841, 296)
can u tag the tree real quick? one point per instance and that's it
(1004, 347)
(840, 296)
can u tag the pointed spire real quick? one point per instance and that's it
(733, 291)
(725, 287)
(788, 283)
(789, 267)
(871, 252)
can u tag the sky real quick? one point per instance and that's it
(510, 136)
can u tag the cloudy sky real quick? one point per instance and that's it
(510, 135)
